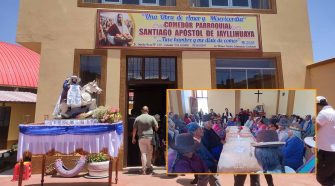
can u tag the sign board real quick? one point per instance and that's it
(173, 30)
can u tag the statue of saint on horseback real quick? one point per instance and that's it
(75, 99)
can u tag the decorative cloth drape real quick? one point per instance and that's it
(66, 139)
(194, 104)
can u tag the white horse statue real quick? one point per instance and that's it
(86, 102)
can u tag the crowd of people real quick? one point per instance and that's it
(196, 141)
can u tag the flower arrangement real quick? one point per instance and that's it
(96, 157)
(107, 114)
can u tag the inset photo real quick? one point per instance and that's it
(241, 131)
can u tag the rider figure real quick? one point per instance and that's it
(73, 80)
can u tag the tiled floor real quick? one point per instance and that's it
(131, 178)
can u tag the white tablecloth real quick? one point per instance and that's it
(69, 143)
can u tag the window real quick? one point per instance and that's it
(112, 1)
(254, 4)
(90, 70)
(152, 68)
(230, 3)
(135, 2)
(4, 125)
(202, 99)
(149, 2)
(246, 73)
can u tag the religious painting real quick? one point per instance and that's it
(242, 131)
(115, 29)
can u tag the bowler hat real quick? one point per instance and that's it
(73, 77)
(310, 141)
(283, 122)
(184, 143)
(267, 138)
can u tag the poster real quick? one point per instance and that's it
(167, 30)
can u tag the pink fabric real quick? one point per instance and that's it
(187, 120)
(216, 128)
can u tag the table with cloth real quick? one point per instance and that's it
(70, 136)
(237, 154)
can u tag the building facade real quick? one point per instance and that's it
(68, 35)
(18, 87)
(318, 76)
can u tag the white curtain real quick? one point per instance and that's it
(203, 104)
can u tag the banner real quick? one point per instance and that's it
(167, 30)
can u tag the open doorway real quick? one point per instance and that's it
(4, 126)
(148, 80)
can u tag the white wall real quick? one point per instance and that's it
(221, 99)
(304, 102)
(268, 99)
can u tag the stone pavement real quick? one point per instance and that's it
(131, 178)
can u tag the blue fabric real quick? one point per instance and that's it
(73, 129)
(293, 152)
(310, 131)
(231, 123)
(207, 158)
(308, 167)
(216, 151)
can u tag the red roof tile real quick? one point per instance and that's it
(19, 66)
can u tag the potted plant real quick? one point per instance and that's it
(97, 165)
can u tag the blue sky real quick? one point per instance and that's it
(321, 13)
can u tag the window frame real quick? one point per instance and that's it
(143, 70)
(149, 4)
(117, 3)
(230, 5)
(246, 72)
(202, 94)
(275, 56)
(182, 7)
(93, 52)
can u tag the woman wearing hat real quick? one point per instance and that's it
(187, 161)
(293, 150)
(211, 140)
(209, 160)
(268, 153)
(282, 130)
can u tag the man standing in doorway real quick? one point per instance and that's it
(143, 126)
(325, 173)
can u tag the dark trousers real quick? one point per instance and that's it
(325, 169)
(239, 179)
